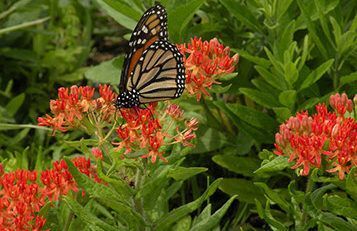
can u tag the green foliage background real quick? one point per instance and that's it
(293, 55)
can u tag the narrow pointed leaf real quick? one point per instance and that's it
(176, 214)
(213, 221)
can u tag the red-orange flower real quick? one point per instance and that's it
(146, 131)
(22, 195)
(76, 104)
(97, 153)
(306, 140)
(20, 201)
(205, 63)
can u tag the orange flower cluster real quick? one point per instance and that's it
(206, 62)
(22, 196)
(76, 104)
(307, 139)
(146, 129)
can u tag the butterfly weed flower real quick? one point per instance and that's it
(59, 181)
(97, 153)
(20, 201)
(306, 140)
(23, 193)
(76, 108)
(148, 131)
(205, 62)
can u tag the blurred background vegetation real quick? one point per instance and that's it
(293, 54)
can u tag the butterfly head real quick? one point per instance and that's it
(127, 99)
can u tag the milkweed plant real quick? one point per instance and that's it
(128, 160)
(271, 148)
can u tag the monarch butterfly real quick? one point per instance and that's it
(153, 68)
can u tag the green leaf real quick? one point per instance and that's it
(253, 58)
(120, 12)
(282, 8)
(209, 139)
(182, 173)
(285, 47)
(220, 89)
(87, 217)
(351, 183)
(15, 6)
(342, 206)
(274, 196)
(348, 78)
(213, 221)
(14, 105)
(308, 104)
(275, 165)
(183, 225)
(121, 187)
(245, 189)
(28, 56)
(175, 215)
(271, 78)
(19, 136)
(180, 16)
(259, 135)
(106, 72)
(288, 98)
(317, 195)
(227, 77)
(241, 165)
(242, 14)
(206, 213)
(77, 75)
(336, 222)
(253, 117)
(291, 72)
(106, 196)
(306, 14)
(152, 188)
(316, 74)
(268, 217)
(262, 98)
(22, 26)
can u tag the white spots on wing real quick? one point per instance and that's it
(144, 29)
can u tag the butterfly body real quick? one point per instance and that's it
(153, 68)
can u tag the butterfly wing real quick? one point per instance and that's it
(159, 74)
(151, 28)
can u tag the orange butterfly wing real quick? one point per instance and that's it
(151, 28)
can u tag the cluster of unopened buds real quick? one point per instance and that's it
(206, 62)
(23, 193)
(331, 136)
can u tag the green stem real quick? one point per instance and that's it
(4, 126)
(139, 182)
(23, 25)
(309, 187)
(111, 131)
